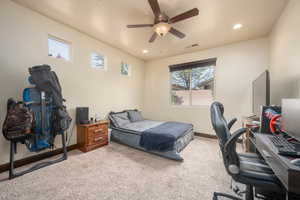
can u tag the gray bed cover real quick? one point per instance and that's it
(125, 136)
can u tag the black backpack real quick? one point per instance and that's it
(47, 81)
(18, 121)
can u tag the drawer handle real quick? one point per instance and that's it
(98, 139)
(98, 130)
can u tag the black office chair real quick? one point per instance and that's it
(248, 168)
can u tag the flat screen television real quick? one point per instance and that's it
(260, 92)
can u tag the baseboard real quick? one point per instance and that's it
(35, 158)
(205, 135)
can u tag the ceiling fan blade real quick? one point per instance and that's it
(153, 37)
(155, 7)
(139, 25)
(177, 33)
(191, 13)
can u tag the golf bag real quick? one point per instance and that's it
(46, 103)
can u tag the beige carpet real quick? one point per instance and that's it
(119, 172)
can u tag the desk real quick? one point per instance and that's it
(287, 173)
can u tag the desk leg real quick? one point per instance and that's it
(247, 143)
(288, 196)
(292, 196)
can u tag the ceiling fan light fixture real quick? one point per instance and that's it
(162, 22)
(162, 28)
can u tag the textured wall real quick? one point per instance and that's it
(237, 66)
(23, 39)
(285, 54)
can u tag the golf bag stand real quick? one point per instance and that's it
(37, 140)
(13, 151)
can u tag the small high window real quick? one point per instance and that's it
(125, 69)
(59, 49)
(98, 61)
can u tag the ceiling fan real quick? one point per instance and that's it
(163, 24)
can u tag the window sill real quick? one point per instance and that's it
(60, 59)
(100, 69)
(191, 106)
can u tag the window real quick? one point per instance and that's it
(193, 83)
(58, 48)
(125, 69)
(98, 61)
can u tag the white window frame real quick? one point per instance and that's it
(105, 61)
(62, 41)
(190, 93)
(129, 69)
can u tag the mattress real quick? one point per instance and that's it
(130, 134)
(141, 126)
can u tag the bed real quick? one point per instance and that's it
(166, 139)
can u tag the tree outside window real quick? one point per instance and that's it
(193, 86)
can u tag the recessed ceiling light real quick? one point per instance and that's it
(237, 26)
(145, 51)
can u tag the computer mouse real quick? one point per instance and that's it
(296, 161)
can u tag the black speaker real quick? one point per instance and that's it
(82, 115)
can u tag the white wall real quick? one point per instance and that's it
(23, 39)
(285, 54)
(237, 66)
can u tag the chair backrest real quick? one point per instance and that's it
(219, 123)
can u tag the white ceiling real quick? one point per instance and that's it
(106, 20)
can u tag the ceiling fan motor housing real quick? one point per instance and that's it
(162, 22)
(162, 28)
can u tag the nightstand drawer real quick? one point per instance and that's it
(97, 131)
(97, 139)
(92, 128)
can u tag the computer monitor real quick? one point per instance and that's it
(291, 117)
(260, 93)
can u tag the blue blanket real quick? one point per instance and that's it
(164, 136)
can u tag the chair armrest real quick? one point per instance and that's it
(231, 154)
(230, 124)
(234, 137)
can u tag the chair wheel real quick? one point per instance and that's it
(215, 197)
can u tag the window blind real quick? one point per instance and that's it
(191, 65)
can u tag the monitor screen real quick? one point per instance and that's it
(260, 93)
(290, 117)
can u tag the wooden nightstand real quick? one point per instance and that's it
(92, 136)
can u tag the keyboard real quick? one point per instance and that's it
(284, 147)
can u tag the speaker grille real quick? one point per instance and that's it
(82, 114)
